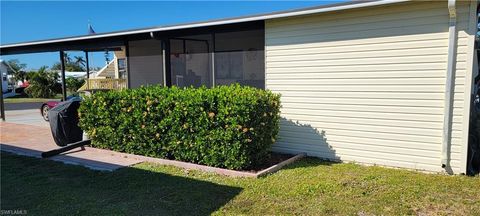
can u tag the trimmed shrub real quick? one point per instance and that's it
(228, 126)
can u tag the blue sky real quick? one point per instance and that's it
(22, 21)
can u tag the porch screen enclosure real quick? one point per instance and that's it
(199, 57)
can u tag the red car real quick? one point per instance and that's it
(50, 104)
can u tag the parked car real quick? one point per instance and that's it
(50, 104)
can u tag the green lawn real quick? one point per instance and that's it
(27, 100)
(309, 187)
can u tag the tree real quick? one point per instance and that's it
(16, 65)
(80, 61)
(43, 84)
(73, 84)
(69, 66)
(20, 75)
(18, 69)
(67, 58)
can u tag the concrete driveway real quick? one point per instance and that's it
(26, 117)
(23, 106)
(27, 113)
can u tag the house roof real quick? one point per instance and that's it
(242, 19)
(10, 70)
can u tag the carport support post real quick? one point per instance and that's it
(87, 64)
(62, 64)
(2, 105)
(166, 62)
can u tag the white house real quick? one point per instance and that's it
(5, 71)
(385, 82)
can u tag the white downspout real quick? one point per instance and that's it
(449, 85)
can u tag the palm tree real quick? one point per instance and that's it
(80, 61)
(19, 75)
(42, 69)
(67, 58)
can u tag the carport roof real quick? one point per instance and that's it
(116, 38)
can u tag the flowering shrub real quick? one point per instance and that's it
(228, 126)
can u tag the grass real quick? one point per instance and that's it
(308, 187)
(27, 100)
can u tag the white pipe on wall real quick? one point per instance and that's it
(449, 85)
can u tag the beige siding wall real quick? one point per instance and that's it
(368, 85)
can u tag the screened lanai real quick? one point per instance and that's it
(201, 56)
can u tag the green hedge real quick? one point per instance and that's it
(228, 126)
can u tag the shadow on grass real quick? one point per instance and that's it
(309, 162)
(296, 137)
(45, 187)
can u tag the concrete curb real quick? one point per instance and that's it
(192, 166)
(227, 172)
(280, 165)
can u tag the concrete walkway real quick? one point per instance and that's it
(32, 140)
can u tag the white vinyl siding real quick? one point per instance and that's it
(368, 85)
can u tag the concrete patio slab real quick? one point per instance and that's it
(31, 140)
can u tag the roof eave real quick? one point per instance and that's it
(336, 7)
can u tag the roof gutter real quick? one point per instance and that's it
(449, 85)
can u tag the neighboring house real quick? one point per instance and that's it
(115, 68)
(74, 74)
(5, 72)
(377, 82)
(112, 75)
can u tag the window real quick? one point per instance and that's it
(122, 68)
(239, 58)
(190, 61)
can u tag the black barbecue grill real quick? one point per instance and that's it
(65, 130)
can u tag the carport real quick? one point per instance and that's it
(86, 46)
(61, 46)
(159, 55)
